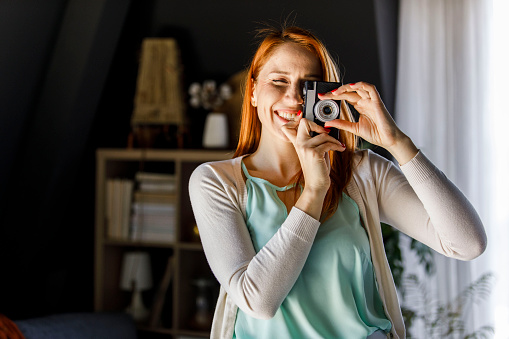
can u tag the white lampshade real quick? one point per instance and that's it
(136, 272)
(215, 133)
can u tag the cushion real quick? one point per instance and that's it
(79, 326)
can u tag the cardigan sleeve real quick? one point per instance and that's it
(257, 282)
(423, 203)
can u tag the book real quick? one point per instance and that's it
(109, 208)
(143, 208)
(155, 197)
(154, 208)
(157, 224)
(118, 207)
(126, 197)
(163, 187)
(146, 176)
(153, 236)
(156, 182)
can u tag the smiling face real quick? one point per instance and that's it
(278, 89)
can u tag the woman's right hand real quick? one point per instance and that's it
(313, 153)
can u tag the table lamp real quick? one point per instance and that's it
(136, 276)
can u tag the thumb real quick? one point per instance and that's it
(290, 130)
(344, 125)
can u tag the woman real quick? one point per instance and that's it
(291, 225)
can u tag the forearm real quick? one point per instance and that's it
(453, 217)
(262, 284)
(257, 282)
(431, 209)
(311, 202)
(403, 150)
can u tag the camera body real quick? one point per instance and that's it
(321, 111)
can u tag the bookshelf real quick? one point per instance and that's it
(188, 269)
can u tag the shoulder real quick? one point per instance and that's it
(218, 183)
(223, 173)
(223, 168)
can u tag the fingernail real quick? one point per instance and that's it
(299, 112)
(352, 84)
(344, 146)
(327, 129)
(322, 93)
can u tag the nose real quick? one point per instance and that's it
(294, 94)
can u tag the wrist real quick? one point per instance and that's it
(311, 201)
(403, 150)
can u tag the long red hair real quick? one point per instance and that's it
(250, 127)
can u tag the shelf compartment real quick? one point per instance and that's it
(194, 272)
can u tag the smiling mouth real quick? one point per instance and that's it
(288, 116)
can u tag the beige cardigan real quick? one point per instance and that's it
(418, 200)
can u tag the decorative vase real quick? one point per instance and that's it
(203, 308)
(215, 133)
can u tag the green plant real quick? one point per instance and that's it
(444, 320)
(440, 320)
(391, 238)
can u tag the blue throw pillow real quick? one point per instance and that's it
(79, 326)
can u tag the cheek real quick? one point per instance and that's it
(269, 94)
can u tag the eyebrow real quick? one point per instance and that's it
(287, 73)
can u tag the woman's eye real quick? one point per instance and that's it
(279, 81)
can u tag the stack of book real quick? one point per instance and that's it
(154, 208)
(118, 207)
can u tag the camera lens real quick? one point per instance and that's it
(326, 110)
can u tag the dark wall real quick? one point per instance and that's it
(67, 77)
(220, 34)
(46, 210)
(27, 35)
(217, 40)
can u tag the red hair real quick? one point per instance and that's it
(250, 127)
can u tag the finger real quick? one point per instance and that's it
(369, 88)
(351, 97)
(333, 92)
(363, 89)
(363, 93)
(344, 125)
(312, 126)
(306, 127)
(341, 89)
(324, 138)
(358, 88)
(291, 124)
(290, 130)
(329, 146)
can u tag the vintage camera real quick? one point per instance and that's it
(321, 111)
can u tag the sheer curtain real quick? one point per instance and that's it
(445, 101)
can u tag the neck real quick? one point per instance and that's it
(275, 156)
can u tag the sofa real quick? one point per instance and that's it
(79, 326)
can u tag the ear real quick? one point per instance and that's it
(253, 94)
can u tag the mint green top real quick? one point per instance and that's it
(335, 295)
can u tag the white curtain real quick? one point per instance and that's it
(445, 103)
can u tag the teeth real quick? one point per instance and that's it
(287, 116)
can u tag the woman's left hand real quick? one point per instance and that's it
(375, 124)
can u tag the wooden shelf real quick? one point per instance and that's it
(189, 261)
(130, 243)
(191, 246)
